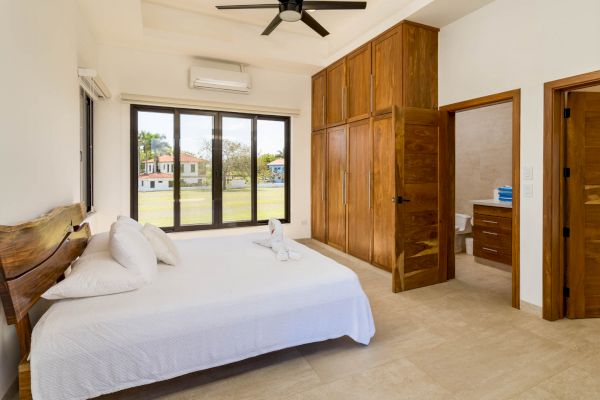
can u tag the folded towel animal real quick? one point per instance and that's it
(276, 242)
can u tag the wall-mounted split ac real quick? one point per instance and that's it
(220, 80)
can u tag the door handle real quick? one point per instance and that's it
(370, 190)
(344, 200)
(400, 200)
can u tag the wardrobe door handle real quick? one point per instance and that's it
(370, 190)
(323, 110)
(344, 200)
(372, 88)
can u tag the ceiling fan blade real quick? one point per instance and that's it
(274, 24)
(310, 21)
(248, 6)
(334, 5)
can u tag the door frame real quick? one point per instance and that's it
(554, 148)
(447, 157)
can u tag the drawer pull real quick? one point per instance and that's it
(487, 221)
(491, 250)
(490, 233)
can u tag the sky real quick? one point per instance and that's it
(195, 129)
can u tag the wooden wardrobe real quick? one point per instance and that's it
(375, 155)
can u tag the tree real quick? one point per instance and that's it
(151, 146)
(262, 168)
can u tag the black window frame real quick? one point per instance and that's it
(86, 155)
(217, 153)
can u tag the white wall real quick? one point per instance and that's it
(39, 114)
(511, 44)
(142, 72)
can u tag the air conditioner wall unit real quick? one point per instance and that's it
(220, 79)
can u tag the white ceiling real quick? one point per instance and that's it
(196, 28)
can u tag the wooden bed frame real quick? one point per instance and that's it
(33, 256)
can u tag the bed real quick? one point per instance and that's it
(228, 300)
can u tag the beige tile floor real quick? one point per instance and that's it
(457, 340)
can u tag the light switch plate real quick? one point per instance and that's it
(528, 190)
(528, 173)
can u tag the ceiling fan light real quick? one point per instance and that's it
(290, 15)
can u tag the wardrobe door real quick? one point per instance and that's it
(336, 187)
(387, 65)
(359, 83)
(318, 185)
(360, 216)
(417, 202)
(319, 93)
(336, 94)
(384, 192)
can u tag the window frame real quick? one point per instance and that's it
(217, 158)
(86, 150)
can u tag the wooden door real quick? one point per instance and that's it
(336, 94)
(384, 192)
(359, 190)
(359, 83)
(417, 208)
(318, 185)
(583, 205)
(336, 187)
(387, 68)
(319, 93)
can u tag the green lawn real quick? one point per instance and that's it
(196, 206)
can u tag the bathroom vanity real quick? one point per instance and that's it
(492, 231)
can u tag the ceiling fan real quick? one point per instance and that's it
(296, 10)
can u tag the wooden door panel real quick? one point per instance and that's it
(419, 66)
(336, 187)
(417, 222)
(583, 205)
(359, 83)
(336, 94)
(319, 94)
(318, 186)
(387, 79)
(359, 190)
(384, 191)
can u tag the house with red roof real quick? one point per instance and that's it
(159, 173)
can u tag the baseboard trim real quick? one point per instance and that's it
(531, 309)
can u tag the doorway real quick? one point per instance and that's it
(500, 220)
(572, 197)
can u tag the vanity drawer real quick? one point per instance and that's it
(493, 223)
(492, 253)
(491, 238)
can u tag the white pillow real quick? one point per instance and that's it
(97, 243)
(130, 221)
(132, 250)
(95, 275)
(163, 246)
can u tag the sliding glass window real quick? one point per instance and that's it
(195, 169)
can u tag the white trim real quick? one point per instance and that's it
(207, 105)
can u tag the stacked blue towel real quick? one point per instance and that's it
(505, 193)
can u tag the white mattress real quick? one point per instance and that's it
(228, 300)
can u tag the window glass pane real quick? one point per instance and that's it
(196, 169)
(270, 169)
(155, 178)
(237, 195)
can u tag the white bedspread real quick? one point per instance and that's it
(228, 300)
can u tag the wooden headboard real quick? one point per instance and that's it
(33, 256)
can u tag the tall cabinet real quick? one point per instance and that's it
(374, 155)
